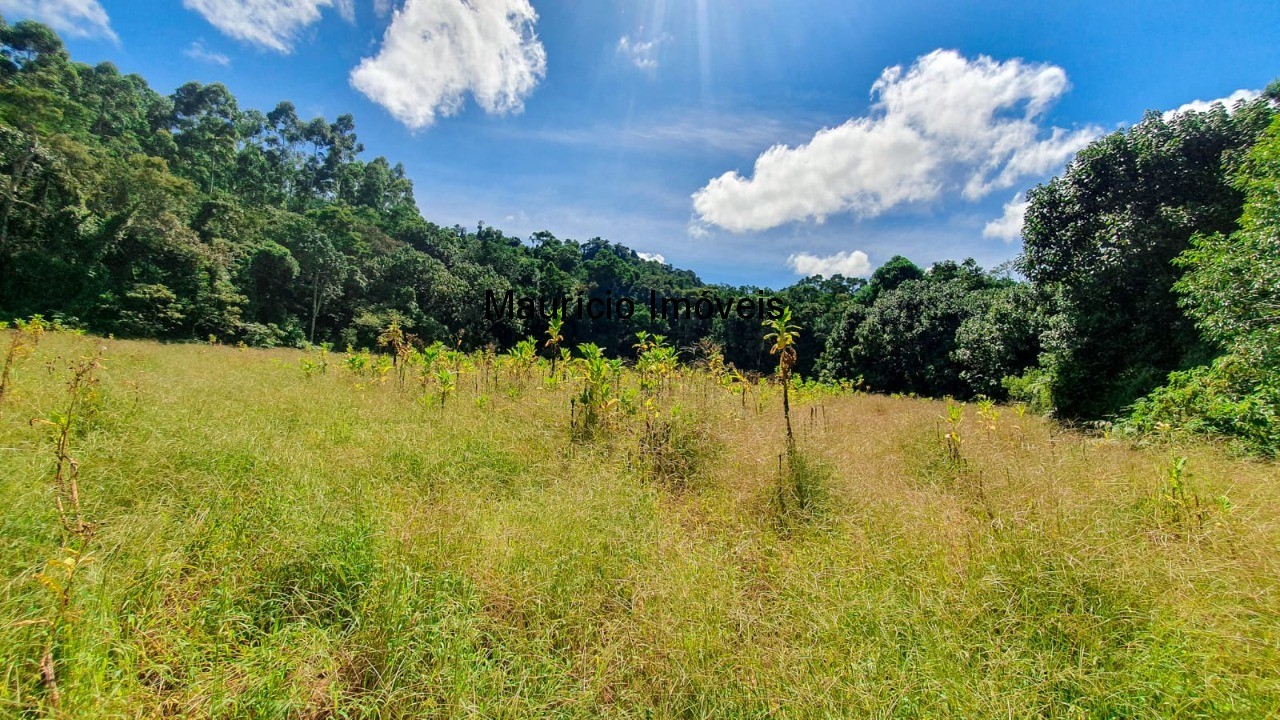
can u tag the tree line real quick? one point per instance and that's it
(1145, 290)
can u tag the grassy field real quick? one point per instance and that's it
(273, 543)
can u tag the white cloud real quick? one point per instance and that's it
(436, 52)
(655, 257)
(642, 53)
(848, 264)
(1008, 227)
(272, 24)
(197, 51)
(346, 9)
(697, 230)
(943, 124)
(1228, 102)
(77, 18)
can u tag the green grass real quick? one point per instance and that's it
(277, 545)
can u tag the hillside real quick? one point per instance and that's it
(284, 534)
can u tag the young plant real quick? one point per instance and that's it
(554, 338)
(524, 356)
(736, 382)
(447, 382)
(784, 336)
(400, 343)
(359, 363)
(713, 357)
(23, 339)
(1179, 511)
(657, 362)
(990, 415)
(951, 440)
(316, 362)
(60, 573)
(597, 396)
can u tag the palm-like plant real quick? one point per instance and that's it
(784, 336)
(597, 393)
(401, 343)
(524, 356)
(554, 338)
(447, 383)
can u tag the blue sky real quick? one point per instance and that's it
(909, 127)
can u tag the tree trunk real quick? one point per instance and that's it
(315, 306)
(786, 410)
(11, 195)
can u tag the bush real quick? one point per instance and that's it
(271, 335)
(1233, 397)
(1034, 388)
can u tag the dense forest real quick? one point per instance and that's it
(1146, 292)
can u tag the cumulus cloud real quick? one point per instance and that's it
(1229, 102)
(77, 18)
(197, 51)
(945, 123)
(642, 53)
(655, 257)
(272, 24)
(848, 264)
(1008, 227)
(437, 52)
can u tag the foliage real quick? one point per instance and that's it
(953, 331)
(597, 398)
(783, 334)
(186, 215)
(1099, 246)
(23, 339)
(1232, 289)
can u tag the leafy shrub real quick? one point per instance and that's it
(1232, 397)
(1232, 289)
(150, 311)
(1033, 388)
(263, 336)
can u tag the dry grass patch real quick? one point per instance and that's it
(281, 543)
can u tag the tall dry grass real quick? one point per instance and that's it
(274, 543)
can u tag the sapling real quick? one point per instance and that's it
(951, 441)
(597, 390)
(23, 339)
(446, 382)
(523, 356)
(784, 336)
(60, 573)
(657, 361)
(316, 362)
(990, 415)
(554, 338)
(401, 344)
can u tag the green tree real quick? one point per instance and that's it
(1099, 246)
(1232, 289)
